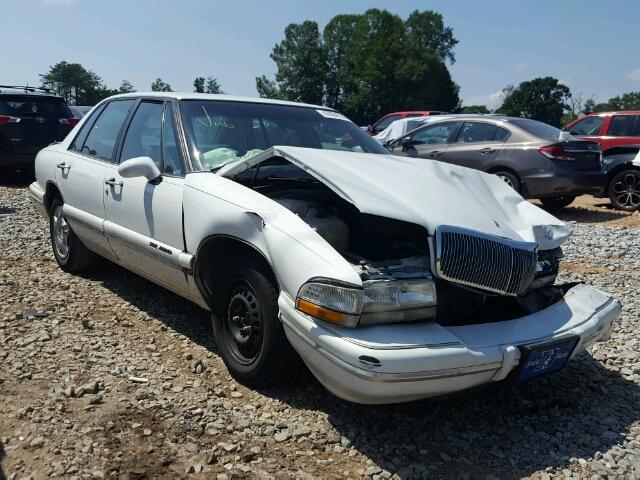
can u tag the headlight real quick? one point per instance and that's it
(378, 302)
(397, 301)
(333, 303)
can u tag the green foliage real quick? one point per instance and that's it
(76, 84)
(198, 84)
(366, 65)
(544, 99)
(210, 85)
(126, 87)
(475, 109)
(160, 86)
(626, 101)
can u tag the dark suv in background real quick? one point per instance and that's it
(30, 119)
(536, 159)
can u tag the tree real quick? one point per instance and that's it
(474, 109)
(300, 63)
(76, 84)
(626, 101)
(544, 99)
(213, 86)
(366, 65)
(126, 87)
(198, 84)
(160, 86)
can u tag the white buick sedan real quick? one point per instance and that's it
(392, 278)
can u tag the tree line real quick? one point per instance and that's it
(366, 65)
(81, 86)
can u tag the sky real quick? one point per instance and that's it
(589, 45)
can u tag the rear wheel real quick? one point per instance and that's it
(624, 190)
(247, 330)
(556, 203)
(68, 250)
(509, 178)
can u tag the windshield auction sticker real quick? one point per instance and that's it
(331, 114)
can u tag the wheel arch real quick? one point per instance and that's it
(498, 168)
(51, 191)
(211, 264)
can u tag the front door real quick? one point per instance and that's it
(144, 218)
(477, 144)
(429, 142)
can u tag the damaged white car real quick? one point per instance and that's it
(392, 278)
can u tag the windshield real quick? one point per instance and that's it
(539, 129)
(222, 132)
(33, 106)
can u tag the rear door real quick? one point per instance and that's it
(476, 145)
(429, 142)
(82, 168)
(29, 122)
(622, 129)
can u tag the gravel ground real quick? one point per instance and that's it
(109, 376)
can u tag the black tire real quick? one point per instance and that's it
(556, 203)
(78, 257)
(248, 333)
(509, 178)
(624, 191)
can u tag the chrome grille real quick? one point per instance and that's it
(484, 261)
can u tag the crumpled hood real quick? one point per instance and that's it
(425, 192)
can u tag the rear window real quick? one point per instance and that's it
(538, 129)
(33, 106)
(622, 126)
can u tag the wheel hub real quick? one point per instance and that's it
(60, 233)
(627, 190)
(244, 323)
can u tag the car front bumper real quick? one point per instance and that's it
(36, 194)
(562, 180)
(403, 362)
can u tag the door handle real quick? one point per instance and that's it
(113, 183)
(435, 153)
(484, 151)
(62, 166)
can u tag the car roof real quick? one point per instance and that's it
(28, 91)
(614, 112)
(211, 96)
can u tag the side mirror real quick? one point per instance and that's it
(408, 143)
(139, 167)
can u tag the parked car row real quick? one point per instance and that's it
(537, 160)
(391, 277)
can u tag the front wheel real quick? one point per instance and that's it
(68, 250)
(624, 191)
(247, 330)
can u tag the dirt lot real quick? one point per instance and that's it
(109, 376)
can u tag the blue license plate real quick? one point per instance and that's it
(544, 358)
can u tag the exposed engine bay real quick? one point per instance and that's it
(385, 249)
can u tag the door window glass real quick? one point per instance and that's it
(385, 122)
(501, 134)
(434, 134)
(472, 132)
(622, 125)
(84, 131)
(587, 126)
(144, 133)
(102, 138)
(172, 157)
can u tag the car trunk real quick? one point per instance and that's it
(30, 123)
(583, 154)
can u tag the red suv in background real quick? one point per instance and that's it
(389, 118)
(610, 129)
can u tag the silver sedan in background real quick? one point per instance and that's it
(536, 159)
